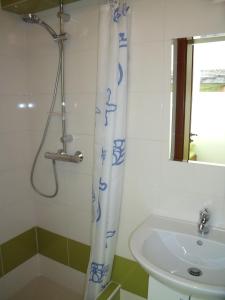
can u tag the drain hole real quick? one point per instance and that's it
(194, 271)
(199, 242)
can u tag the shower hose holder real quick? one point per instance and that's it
(62, 156)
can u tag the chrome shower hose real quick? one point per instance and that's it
(58, 76)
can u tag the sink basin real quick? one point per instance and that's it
(174, 253)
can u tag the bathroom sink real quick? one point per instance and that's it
(174, 253)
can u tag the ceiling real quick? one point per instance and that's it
(30, 6)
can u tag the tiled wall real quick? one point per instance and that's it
(64, 261)
(16, 201)
(152, 182)
(68, 214)
(40, 252)
(28, 61)
(16, 205)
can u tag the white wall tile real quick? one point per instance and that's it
(186, 205)
(34, 119)
(76, 189)
(38, 114)
(17, 211)
(146, 67)
(147, 21)
(143, 166)
(42, 72)
(15, 186)
(69, 213)
(187, 18)
(193, 177)
(82, 28)
(65, 219)
(145, 114)
(14, 116)
(78, 106)
(52, 216)
(79, 224)
(13, 35)
(141, 188)
(16, 218)
(15, 150)
(14, 78)
(80, 71)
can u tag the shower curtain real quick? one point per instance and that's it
(110, 143)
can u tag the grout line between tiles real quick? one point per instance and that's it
(36, 237)
(68, 255)
(1, 258)
(117, 289)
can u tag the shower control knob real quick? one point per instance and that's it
(79, 155)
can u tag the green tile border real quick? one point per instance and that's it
(63, 250)
(18, 250)
(112, 292)
(52, 245)
(14, 252)
(1, 265)
(130, 275)
(78, 255)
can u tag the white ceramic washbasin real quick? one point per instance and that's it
(166, 248)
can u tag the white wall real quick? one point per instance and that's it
(16, 198)
(16, 205)
(153, 184)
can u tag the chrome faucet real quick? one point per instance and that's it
(203, 228)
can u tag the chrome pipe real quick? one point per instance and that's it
(49, 29)
(60, 16)
(63, 100)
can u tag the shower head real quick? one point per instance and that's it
(31, 19)
(34, 19)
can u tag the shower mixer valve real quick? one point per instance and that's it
(62, 156)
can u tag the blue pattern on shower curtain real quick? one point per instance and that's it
(110, 143)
